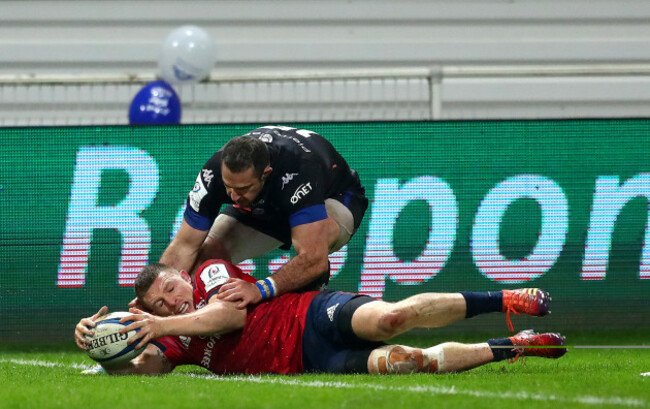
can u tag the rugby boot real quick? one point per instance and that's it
(530, 343)
(531, 301)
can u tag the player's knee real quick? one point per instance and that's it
(391, 323)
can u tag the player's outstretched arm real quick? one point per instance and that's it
(215, 318)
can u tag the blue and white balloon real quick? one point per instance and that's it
(155, 104)
(187, 55)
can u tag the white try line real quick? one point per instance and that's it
(428, 389)
(32, 362)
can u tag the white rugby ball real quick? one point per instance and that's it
(108, 346)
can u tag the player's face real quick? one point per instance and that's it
(170, 294)
(243, 187)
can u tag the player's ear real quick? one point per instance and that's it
(266, 173)
(136, 303)
(186, 276)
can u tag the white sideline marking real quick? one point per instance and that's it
(435, 390)
(32, 362)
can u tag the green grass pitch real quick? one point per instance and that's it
(42, 376)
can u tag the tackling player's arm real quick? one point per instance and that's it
(311, 241)
(182, 252)
(202, 206)
(305, 267)
(312, 233)
(312, 230)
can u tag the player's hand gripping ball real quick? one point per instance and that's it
(108, 346)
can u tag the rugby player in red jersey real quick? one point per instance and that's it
(328, 331)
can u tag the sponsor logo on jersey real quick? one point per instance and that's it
(207, 352)
(198, 193)
(302, 191)
(330, 311)
(207, 175)
(214, 275)
(287, 178)
(185, 341)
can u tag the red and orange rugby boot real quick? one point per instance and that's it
(546, 345)
(531, 301)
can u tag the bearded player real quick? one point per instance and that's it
(283, 187)
(293, 333)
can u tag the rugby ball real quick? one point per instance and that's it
(108, 346)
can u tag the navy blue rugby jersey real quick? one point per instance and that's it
(306, 171)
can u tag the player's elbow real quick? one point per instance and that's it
(317, 264)
(312, 258)
(322, 265)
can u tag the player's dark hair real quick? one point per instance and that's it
(146, 277)
(242, 152)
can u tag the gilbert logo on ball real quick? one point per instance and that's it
(108, 346)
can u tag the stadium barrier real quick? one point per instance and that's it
(390, 94)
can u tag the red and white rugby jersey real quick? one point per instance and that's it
(270, 342)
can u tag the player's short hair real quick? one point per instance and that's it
(242, 152)
(146, 277)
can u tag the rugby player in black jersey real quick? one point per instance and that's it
(283, 186)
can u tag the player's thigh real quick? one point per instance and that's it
(241, 241)
(345, 221)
